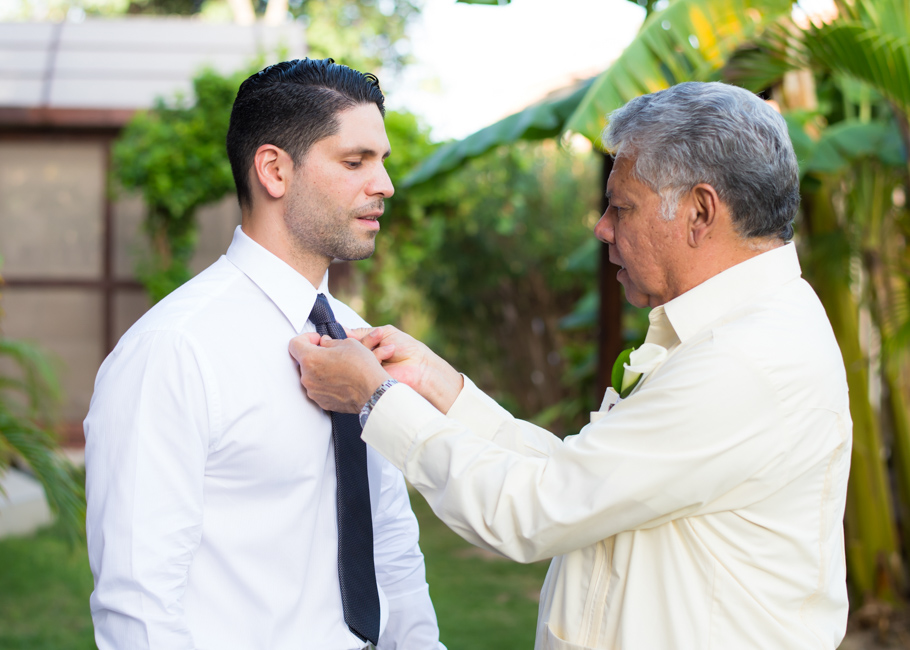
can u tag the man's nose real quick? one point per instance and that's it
(381, 184)
(604, 228)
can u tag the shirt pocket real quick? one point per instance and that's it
(555, 642)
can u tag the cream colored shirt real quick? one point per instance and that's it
(703, 511)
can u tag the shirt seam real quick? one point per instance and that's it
(823, 518)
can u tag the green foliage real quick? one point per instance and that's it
(366, 35)
(616, 374)
(690, 40)
(482, 257)
(29, 393)
(684, 41)
(174, 155)
(544, 119)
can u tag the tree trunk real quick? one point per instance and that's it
(872, 550)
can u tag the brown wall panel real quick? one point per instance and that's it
(51, 208)
(65, 323)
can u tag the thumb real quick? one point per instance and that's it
(299, 344)
(328, 342)
(358, 333)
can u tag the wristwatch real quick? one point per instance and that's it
(368, 407)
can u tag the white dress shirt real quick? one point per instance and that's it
(702, 512)
(211, 480)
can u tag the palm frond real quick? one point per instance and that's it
(37, 384)
(868, 53)
(689, 40)
(38, 447)
(763, 62)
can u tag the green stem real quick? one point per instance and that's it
(871, 542)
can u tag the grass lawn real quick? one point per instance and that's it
(44, 588)
(483, 602)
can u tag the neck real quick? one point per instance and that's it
(705, 263)
(273, 236)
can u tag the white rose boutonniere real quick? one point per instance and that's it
(632, 365)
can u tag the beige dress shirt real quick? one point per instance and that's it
(703, 511)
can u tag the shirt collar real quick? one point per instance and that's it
(695, 309)
(292, 293)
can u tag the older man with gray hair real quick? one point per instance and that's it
(702, 506)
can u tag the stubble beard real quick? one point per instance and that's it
(315, 230)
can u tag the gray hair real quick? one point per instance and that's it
(717, 134)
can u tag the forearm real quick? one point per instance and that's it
(440, 383)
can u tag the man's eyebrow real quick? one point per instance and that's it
(365, 151)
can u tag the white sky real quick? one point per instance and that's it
(477, 63)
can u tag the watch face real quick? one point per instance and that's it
(363, 419)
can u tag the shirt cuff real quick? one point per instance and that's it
(396, 422)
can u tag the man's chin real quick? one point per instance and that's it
(355, 255)
(634, 296)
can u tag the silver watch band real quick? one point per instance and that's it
(368, 407)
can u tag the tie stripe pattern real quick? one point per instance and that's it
(356, 571)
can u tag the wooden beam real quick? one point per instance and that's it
(64, 118)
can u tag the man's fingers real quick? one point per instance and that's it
(358, 333)
(300, 343)
(371, 336)
(384, 352)
(328, 342)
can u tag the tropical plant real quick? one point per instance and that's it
(853, 229)
(480, 266)
(174, 156)
(29, 393)
(851, 241)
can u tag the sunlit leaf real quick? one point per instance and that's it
(545, 119)
(689, 41)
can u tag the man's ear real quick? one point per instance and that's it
(704, 214)
(273, 169)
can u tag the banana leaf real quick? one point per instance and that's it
(544, 119)
(689, 40)
(842, 144)
(867, 52)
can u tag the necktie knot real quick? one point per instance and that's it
(324, 319)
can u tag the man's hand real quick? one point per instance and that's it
(413, 363)
(339, 375)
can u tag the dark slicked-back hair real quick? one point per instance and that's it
(292, 105)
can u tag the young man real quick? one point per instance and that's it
(213, 518)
